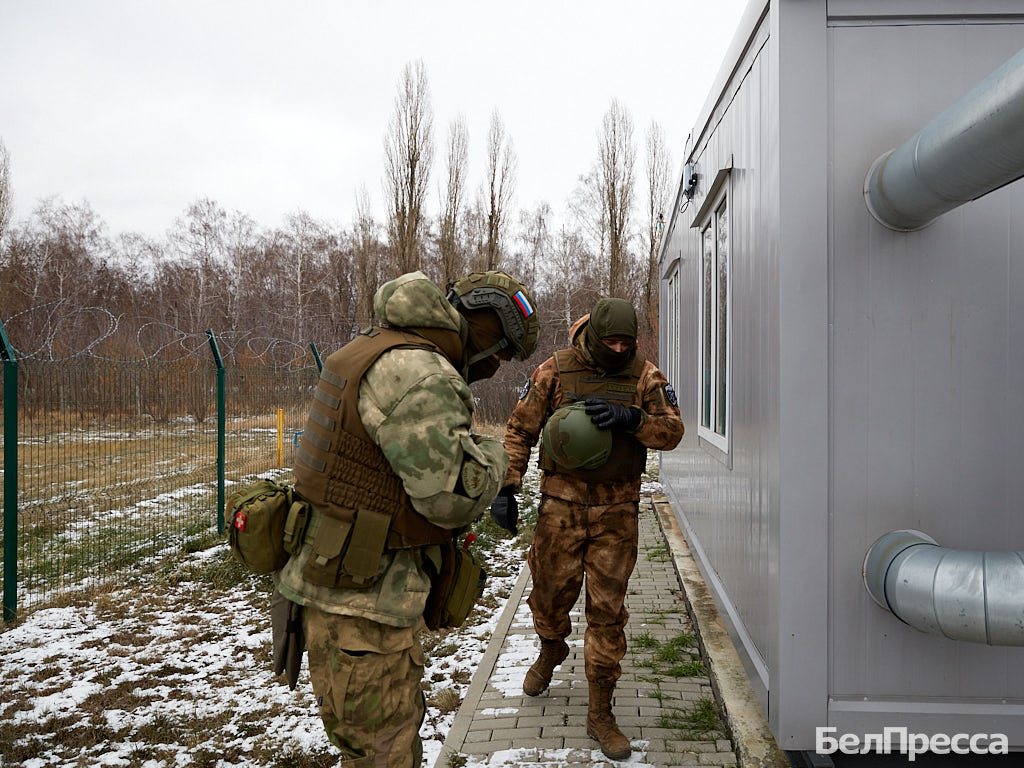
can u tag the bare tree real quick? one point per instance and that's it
(501, 170)
(6, 193)
(241, 245)
(616, 157)
(474, 227)
(366, 257)
(199, 239)
(589, 217)
(409, 155)
(305, 252)
(659, 164)
(571, 282)
(535, 235)
(451, 256)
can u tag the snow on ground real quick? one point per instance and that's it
(173, 668)
(170, 665)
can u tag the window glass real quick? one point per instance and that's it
(715, 336)
(672, 331)
(721, 374)
(708, 268)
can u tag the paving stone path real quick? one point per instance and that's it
(663, 702)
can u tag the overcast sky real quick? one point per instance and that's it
(141, 107)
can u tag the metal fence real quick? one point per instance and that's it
(110, 465)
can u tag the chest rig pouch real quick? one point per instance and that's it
(361, 506)
(578, 382)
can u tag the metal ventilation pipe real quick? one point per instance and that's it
(972, 596)
(974, 147)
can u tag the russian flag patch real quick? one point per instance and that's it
(523, 304)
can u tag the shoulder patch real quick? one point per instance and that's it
(670, 395)
(525, 390)
(474, 478)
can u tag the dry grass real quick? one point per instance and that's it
(446, 700)
(97, 501)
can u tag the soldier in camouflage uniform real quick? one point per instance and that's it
(588, 517)
(392, 470)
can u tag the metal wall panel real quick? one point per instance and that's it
(727, 508)
(927, 362)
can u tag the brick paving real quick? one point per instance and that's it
(497, 725)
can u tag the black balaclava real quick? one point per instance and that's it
(485, 331)
(611, 318)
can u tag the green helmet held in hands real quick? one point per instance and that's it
(506, 297)
(573, 440)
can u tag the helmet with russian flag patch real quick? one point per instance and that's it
(506, 297)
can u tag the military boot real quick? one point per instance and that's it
(552, 653)
(601, 722)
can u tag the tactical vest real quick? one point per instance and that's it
(578, 382)
(341, 471)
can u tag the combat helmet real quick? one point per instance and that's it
(508, 299)
(574, 441)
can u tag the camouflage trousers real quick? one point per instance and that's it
(367, 679)
(573, 540)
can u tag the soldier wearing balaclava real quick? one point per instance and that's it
(599, 385)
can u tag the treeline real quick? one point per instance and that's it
(70, 288)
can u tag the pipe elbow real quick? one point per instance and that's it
(971, 596)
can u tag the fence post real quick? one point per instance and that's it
(280, 438)
(221, 427)
(316, 356)
(10, 477)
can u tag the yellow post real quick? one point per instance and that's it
(280, 437)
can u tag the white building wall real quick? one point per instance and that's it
(726, 498)
(927, 375)
(876, 377)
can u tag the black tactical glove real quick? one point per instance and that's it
(505, 509)
(288, 636)
(608, 415)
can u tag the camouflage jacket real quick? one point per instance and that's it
(418, 409)
(661, 427)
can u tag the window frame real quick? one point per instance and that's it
(714, 404)
(673, 322)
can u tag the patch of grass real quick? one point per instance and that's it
(43, 674)
(488, 601)
(457, 760)
(701, 722)
(130, 638)
(69, 733)
(657, 554)
(444, 649)
(162, 729)
(646, 641)
(298, 758)
(656, 618)
(145, 752)
(445, 699)
(704, 715)
(676, 648)
(674, 658)
(170, 670)
(223, 572)
(692, 668)
(119, 697)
